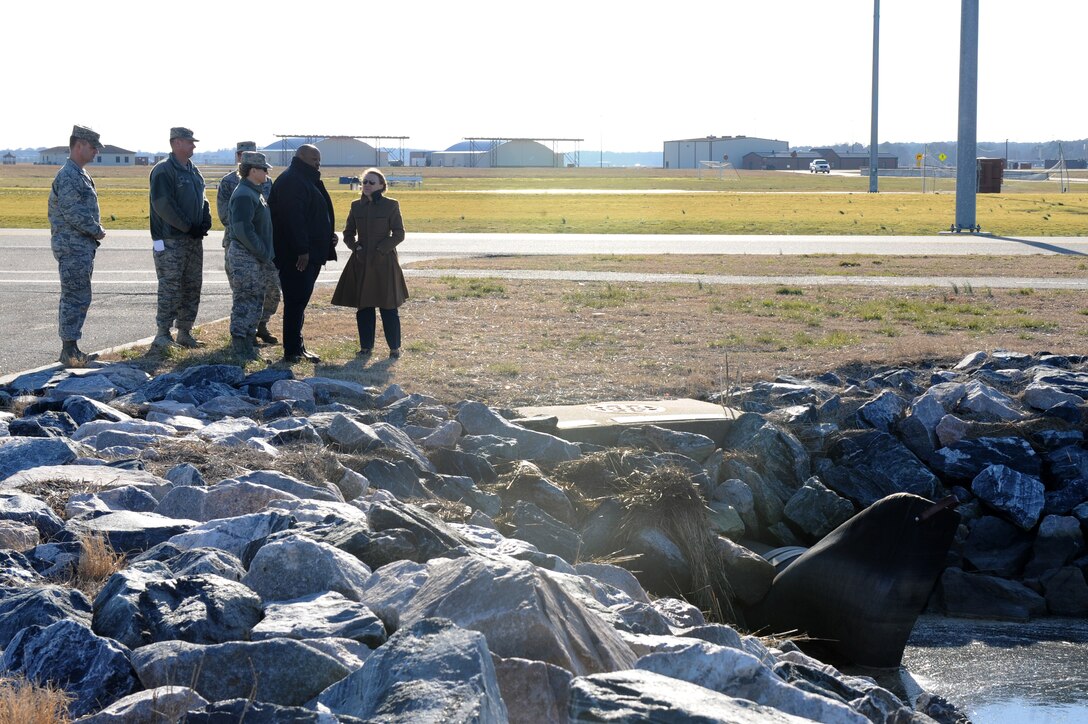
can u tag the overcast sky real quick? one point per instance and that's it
(622, 74)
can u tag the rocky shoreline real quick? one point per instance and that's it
(314, 550)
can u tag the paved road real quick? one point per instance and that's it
(123, 310)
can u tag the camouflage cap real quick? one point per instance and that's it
(246, 146)
(86, 134)
(255, 159)
(182, 132)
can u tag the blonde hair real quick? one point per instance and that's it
(377, 173)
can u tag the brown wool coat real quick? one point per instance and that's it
(372, 276)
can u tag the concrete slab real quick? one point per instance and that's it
(602, 422)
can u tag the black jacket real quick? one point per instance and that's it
(302, 216)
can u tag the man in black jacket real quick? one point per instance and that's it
(302, 233)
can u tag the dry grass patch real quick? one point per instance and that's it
(24, 702)
(97, 562)
(553, 342)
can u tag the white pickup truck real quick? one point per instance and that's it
(819, 165)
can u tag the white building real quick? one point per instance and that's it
(335, 151)
(107, 156)
(688, 152)
(492, 153)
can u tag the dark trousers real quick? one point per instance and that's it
(390, 326)
(297, 287)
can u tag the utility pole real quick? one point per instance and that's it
(876, 76)
(967, 142)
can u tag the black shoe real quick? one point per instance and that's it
(292, 359)
(394, 353)
(310, 356)
(266, 336)
(363, 353)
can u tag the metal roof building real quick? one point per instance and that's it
(691, 152)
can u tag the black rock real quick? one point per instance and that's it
(46, 424)
(401, 478)
(267, 377)
(974, 595)
(870, 465)
(967, 458)
(534, 525)
(95, 671)
(456, 462)
(84, 409)
(997, 547)
(39, 606)
(435, 538)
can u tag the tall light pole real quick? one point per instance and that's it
(967, 143)
(876, 78)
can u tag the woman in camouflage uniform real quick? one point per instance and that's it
(250, 253)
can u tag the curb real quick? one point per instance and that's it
(144, 342)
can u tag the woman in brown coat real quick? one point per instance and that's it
(372, 277)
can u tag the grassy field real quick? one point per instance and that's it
(624, 201)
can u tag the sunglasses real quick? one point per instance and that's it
(368, 182)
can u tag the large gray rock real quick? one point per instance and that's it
(779, 453)
(233, 535)
(651, 437)
(1059, 540)
(996, 547)
(883, 411)
(524, 611)
(432, 670)
(1018, 496)
(1043, 396)
(537, 691)
(986, 403)
(321, 615)
(545, 532)
(204, 609)
(93, 477)
(90, 430)
(749, 574)
(351, 435)
(644, 696)
(528, 483)
(129, 497)
(225, 500)
(287, 484)
(401, 478)
(127, 531)
(817, 511)
(279, 671)
(974, 595)
(1066, 592)
(163, 705)
(18, 536)
(1073, 383)
(23, 453)
(95, 671)
(478, 419)
(22, 508)
(396, 439)
(738, 674)
(294, 567)
(962, 461)
(39, 606)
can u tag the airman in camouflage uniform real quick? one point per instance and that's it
(180, 219)
(250, 253)
(227, 184)
(76, 231)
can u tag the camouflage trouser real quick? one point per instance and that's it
(249, 283)
(271, 292)
(180, 269)
(75, 258)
